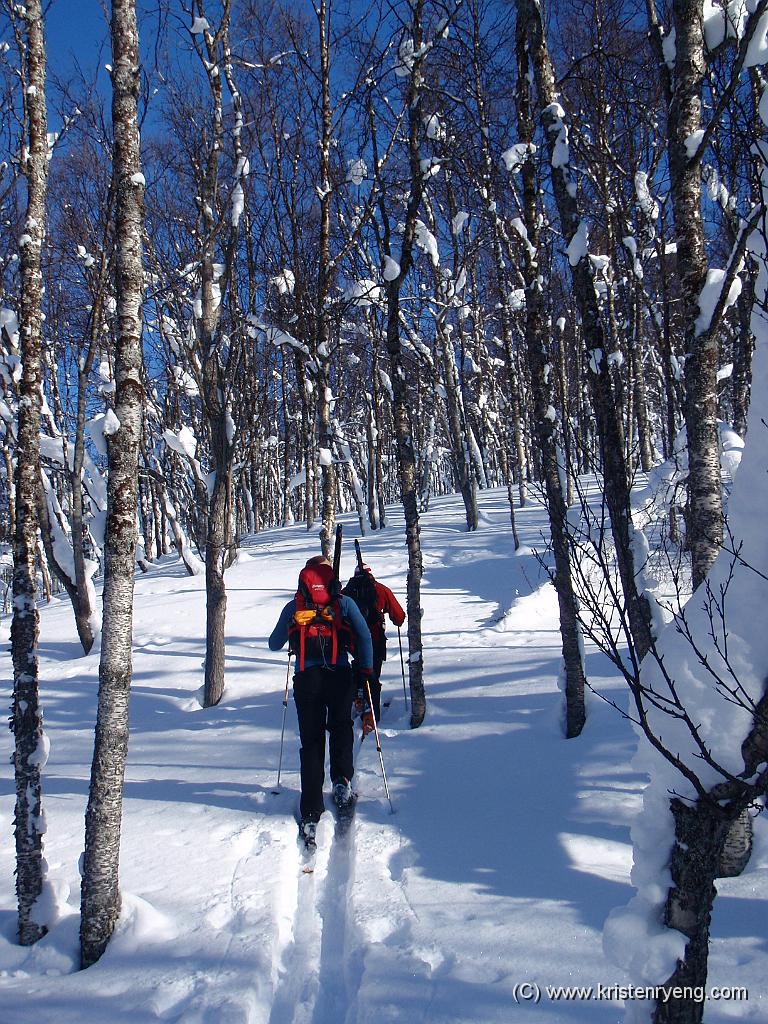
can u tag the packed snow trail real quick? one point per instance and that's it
(298, 978)
(337, 992)
(313, 982)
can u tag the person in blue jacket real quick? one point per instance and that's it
(324, 690)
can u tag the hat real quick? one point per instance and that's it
(360, 569)
(317, 560)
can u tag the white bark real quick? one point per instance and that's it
(100, 905)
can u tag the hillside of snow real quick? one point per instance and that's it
(508, 848)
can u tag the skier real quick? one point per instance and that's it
(374, 601)
(321, 623)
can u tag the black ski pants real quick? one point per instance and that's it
(323, 702)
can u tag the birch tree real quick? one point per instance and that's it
(606, 409)
(30, 742)
(397, 262)
(683, 74)
(545, 415)
(100, 893)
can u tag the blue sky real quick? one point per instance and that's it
(75, 29)
(77, 35)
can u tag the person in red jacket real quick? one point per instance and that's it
(374, 601)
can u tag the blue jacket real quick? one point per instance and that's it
(350, 611)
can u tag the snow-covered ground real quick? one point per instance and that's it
(508, 847)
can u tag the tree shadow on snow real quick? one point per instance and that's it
(498, 806)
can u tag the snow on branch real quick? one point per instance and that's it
(516, 155)
(427, 242)
(364, 292)
(279, 338)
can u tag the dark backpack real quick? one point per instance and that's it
(362, 589)
(318, 629)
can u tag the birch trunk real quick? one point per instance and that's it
(705, 520)
(27, 719)
(328, 473)
(742, 359)
(637, 356)
(700, 835)
(408, 475)
(543, 381)
(100, 904)
(216, 544)
(217, 368)
(606, 412)
(406, 455)
(82, 605)
(457, 429)
(498, 236)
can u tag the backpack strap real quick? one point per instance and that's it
(330, 619)
(302, 618)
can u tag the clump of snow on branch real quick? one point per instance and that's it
(364, 292)
(285, 282)
(458, 222)
(427, 242)
(391, 269)
(406, 58)
(183, 442)
(197, 302)
(238, 203)
(277, 337)
(357, 171)
(647, 203)
(578, 245)
(111, 423)
(434, 127)
(516, 155)
(710, 296)
(558, 127)
(721, 24)
(516, 300)
(693, 142)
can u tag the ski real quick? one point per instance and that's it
(308, 849)
(345, 812)
(344, 818)
(359, 555)
(337, 554)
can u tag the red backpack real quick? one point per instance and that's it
(318, 629)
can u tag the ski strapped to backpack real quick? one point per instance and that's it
(318, 629)
(337, 557)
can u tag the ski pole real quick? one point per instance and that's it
(402, 667)
(285, 711)
(378, 744)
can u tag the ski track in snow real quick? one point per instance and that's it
(337, 994)
(316, 976)
(507, 848)
(298, 981)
